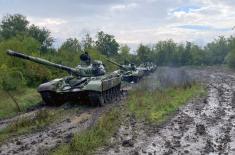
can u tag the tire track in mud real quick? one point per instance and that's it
(40, 142)
(203, 131)
(203, 126)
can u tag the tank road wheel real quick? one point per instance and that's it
(101, 100)
(96, 99)
(118, 92)
(109, 95)
(136, 79)
(113, 94)
(52, 99)
(106, 97)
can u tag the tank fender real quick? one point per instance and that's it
(49, 86)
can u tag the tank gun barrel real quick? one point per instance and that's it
(41, 61)
(117, 64)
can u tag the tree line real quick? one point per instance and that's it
(18, 34)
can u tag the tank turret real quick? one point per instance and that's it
(129, 73)
(123, 67)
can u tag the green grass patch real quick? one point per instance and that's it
(156, 106)
(28, 124)
(26, 98)
(86, 142)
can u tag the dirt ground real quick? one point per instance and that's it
(40, 142)
(204, 126)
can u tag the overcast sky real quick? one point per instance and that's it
(130, 21)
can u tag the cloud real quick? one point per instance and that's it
(122, 7)
(44, 22)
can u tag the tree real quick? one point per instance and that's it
(71, 45)
(42, 35)
(165, 52)
(230, 59)
(217, 50)
(143, 53)
(106, 44)
(69, 52)
(11, 25)
(87, 42)
(124, 54)
(186, 58)
(17, 25)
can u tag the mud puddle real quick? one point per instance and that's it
(204, 126)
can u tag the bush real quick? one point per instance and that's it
(230, 59)
(11, 79)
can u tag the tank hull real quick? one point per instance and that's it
(90, 90)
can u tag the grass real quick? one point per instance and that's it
(26, 98)
(156, 106)
(89, 140)
(27, 124)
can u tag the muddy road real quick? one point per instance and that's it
(204, 126)
(58, 132)
(41, 141)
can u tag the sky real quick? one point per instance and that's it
(131, 21)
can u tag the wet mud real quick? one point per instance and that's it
(204, 125)
(42, 141)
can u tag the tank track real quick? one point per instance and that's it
(91, 97)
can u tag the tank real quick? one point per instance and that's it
(145, 68)
(148, 67)
(129, 72)
(87, 84)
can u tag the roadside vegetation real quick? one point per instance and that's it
(157, 106)
(26, 98)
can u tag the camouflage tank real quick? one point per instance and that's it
(87, 84)
(148, 67)
(145, 68)
(129, 72)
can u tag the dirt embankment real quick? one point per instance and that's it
(205, 125)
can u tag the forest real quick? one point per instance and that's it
(18, 34)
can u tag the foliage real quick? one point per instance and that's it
(87, 42)
(157, 105)
(144, 53)
(71, 45)
(42, 35)
(26, 97)
(12, 25)
(106, 44)
(230, 59)
(124, 56)
(17, 25)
